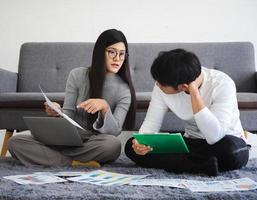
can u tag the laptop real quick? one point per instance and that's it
(53, 131)
(163, 142)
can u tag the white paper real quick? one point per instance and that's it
(62, 174)
(36, 179)
(56, 109)
(241, 184)
(177, 183)
(100, 177)
(201, 186)
(69, 174)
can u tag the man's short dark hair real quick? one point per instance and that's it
(176, 67)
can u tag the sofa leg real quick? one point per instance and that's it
(7, 135)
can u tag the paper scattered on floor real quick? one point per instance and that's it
(35, 179)
(63, 174)
(100, 177)
(177, 183)
(241, 184)
(202, 186)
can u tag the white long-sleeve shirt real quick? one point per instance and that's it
(218, 118)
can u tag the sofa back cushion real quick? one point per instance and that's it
(49, 64)
(234, 58)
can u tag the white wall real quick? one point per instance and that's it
(141, 21)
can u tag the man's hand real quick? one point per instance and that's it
(50, 111)
(94, 105)
(193, 87)
(140, 149)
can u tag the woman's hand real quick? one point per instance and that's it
(94, 105)
(50, 111)
(140, 149)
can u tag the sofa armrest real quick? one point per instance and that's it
(8, 81)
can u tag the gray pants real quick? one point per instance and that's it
(101, 148)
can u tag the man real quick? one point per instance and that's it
(205, 99)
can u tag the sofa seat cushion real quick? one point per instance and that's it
(36, 100)
(143, 99)
(247, 101)
(27, 99)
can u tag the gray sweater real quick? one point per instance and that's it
(115, 91)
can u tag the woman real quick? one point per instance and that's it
(101, 98)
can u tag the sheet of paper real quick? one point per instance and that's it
(62, 174)
(100, 177)
(56, 109)
(220, 186)
(201, 186)
(36, 179)
(177, 183)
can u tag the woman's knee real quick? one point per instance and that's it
(111, 147)
(14, 142)
(20, 142)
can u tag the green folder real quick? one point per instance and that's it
(163, 142)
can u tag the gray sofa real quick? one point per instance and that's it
(49, 64)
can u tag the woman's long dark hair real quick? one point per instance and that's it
(98, 71)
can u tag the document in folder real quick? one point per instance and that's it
(163, 142)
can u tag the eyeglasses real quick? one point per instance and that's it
(113, 53)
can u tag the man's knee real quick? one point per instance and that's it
(234, 160)
(234, 153)
(230, 144)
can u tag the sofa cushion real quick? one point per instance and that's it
(49, 64)
(36, 100)
(8, 81)
(143, 99)
(234, 58)
(247, 100)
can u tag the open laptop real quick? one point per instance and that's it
(53, 131)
